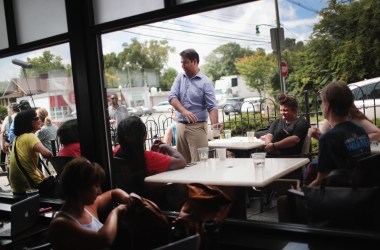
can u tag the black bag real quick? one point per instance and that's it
(48, 187)
(146, 224)
(348, 207)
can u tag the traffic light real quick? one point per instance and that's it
(257, 30)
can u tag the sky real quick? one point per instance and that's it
(206, 31)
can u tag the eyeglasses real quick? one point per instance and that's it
(36, 118)
(114, 98)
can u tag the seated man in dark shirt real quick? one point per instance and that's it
(286, 134)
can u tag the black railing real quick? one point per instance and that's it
(241, 121)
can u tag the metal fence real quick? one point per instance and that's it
(252, 119)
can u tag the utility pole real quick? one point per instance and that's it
(278, 47)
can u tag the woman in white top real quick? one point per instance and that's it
(77, 225)
(356, 117)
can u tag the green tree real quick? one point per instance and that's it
(48, 63)
(167, 78)
(257, 70)
(151, 54)
(3, 112)
(221, 61)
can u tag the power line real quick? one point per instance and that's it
(303, 6)
(203, 34)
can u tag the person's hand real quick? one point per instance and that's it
(112, 121)
(164, 149)
(121, 209)
(4, 148)
(262, 137)
(269, 148)
(189, 116)
(315, 133)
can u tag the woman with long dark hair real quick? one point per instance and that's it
(131, 134)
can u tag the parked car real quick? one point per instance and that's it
(252, 104)
(163, 106)
(233, 105)
(367, 96)
(135, 111)
(145, 110)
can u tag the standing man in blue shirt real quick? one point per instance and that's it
(193, 97)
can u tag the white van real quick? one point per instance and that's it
(367, 96)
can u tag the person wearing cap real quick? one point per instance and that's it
(23, 105)
(193, 97)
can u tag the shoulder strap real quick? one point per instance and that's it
(10, 119)
(21, 167)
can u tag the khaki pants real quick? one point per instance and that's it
(189, 138)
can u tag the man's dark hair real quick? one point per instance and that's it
(68, 132)
(24, 105)
(191, 54)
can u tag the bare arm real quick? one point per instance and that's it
(318, 180)
(177, 161)
(284, 143)
(370, 128)
(214, 116)
(168, 136)
(42, 150)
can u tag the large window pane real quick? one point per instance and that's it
(39, 19)
(3, 27)
(105, 11)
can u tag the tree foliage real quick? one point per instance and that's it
(257, 70)
(48, 63)
(221, 61)
(136, 57)
(345, 46)
(167, 79)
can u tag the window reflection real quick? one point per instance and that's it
(48, 84)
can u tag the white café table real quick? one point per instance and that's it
(233, 172)
(239, 145)
(237, 172)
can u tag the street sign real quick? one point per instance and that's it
(274, 32)
(284, 69)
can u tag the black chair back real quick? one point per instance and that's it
(59, 162)
(127, 177)
(367, 171)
